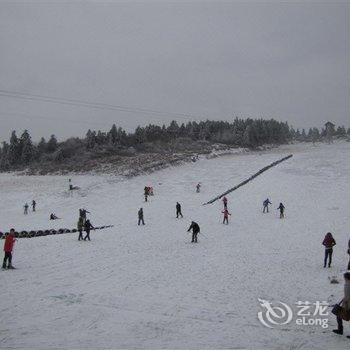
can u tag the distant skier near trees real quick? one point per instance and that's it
(80, 226)
(88, 227)
(140, 215)
(224, 200)
(281, 209)
(226, 214)
(178, 210)
(26, 206)
(195, 230)
(33, 204)
(8, 247)
(198, 188)
(329, 243)
(266, 205)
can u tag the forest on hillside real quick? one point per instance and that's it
(21, 152)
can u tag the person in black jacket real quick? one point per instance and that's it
(140, 214)
(88, 227)
(178, 210)
(281, 209)
(195, 230)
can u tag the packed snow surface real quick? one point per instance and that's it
(148, 287)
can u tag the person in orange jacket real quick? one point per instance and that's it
(226, 214)
(8, 247)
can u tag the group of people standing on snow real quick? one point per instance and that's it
(84, 224)
(266, 204)
(26, 207)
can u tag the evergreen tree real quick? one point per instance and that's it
(27, 148)
(14, 154)
(52, 144)
(42, 146)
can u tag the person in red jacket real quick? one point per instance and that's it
(329, 243)
(226, 214)
(8, 247)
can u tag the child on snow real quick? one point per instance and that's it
(226, 214)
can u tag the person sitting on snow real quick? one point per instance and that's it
(53, 216)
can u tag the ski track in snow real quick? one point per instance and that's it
(147, 287)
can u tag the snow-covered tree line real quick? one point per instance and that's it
(21, 151)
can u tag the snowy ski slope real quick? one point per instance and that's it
(147, 287)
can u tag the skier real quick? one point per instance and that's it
(198, 188)
(140, 214)
(70, 185)
(26, 206)
(80, 226)
(225, 202)
(178, 210)
(8, 247)
(281, 209)
(266, 205)
(88, 227)
(195, 230)
(329, 243)
(345, 304)
(226, 214)
(33, 204)
(53, 216)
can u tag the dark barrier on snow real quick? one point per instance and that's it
(39, 233)
(250, 179)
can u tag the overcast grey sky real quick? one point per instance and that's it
(289, 61)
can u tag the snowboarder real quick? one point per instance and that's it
(224, 200)
(80, 227)
(178, 210)
(226, 214)
(281, 209)
(33, 204)
(26, 206)
(53, 216)
(345, 304)
(195, 230)
(88, 227)
(140, 214)
(8, 247)
(329, 243)
(198, 188)
(266, 203)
